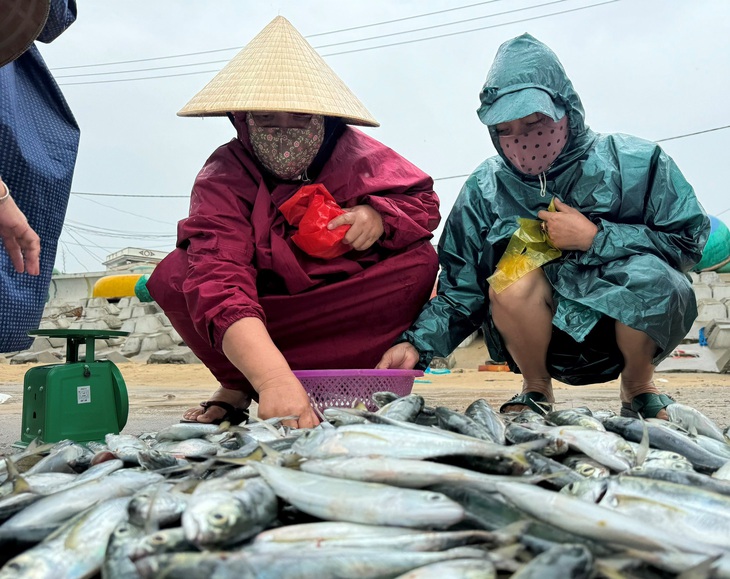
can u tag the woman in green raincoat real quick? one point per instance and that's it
(597, 287)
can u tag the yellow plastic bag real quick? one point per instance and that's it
(528, 249)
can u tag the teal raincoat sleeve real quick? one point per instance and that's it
(460, 306)
(675, 224)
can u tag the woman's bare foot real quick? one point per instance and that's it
(235, 398)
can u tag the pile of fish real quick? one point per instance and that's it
(409, 491)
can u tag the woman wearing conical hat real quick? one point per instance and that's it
(245, 288)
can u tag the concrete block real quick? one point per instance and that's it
(176, 338)
(702, 291)
(123, 303)
(113, 309)
(48, 325)
(96, 313)
(147, 325)
(144, 310)
(129, 325)
(125, 313)
(113, 356)
(720, 291)
(164, 320)
(709, 277)
(466, 343)
(45, 357)
(717, 333)
(133, 301)
(174, 356)
(40, 344)
(132, 346)
(57, 342)
(97, 303)
(709, 309)
(112, 322)
(154, 342)
(694, 276)
(94, 325)
(116, 342)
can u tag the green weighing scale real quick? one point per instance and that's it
(81, 400)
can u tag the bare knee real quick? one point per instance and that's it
(529, 291)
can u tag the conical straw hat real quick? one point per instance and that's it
(278, 71)
(21, 21)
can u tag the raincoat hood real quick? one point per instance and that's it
(526, 63)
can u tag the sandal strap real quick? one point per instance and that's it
(533, 400)
(650, 404)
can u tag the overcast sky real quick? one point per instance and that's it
(652, 68)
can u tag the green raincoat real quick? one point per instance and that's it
(651, 230)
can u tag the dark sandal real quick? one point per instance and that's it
(648, 405)
(532, 400)
(233, 415)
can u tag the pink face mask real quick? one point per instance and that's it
(535, 151)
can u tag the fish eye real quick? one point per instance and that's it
(157, 539)
(218, 517)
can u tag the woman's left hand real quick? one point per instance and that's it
(366, 226)
(568, 228)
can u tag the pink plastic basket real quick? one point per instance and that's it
(345, 388)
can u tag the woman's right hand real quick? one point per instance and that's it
(401, 356)
(285, 396)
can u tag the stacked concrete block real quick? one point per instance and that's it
(149, 329)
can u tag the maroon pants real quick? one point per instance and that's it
(348, 324)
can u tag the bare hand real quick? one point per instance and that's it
(21, 243)
(401, 356)
(286, 396)
(366, 226)
(568, 228)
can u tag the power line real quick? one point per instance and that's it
(692, 134)
(328, 45)
(366, 48)
(307, 36)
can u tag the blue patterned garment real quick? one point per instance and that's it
(39, 140)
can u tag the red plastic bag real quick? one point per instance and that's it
(311, 209)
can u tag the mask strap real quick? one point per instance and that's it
(543, 184)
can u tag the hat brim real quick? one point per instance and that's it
(20, 25)
(520, 104)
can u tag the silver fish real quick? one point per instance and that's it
(693, 420)
(76, 551)
(215, 518)
(596, 522)
(703, 515)
(370, 503)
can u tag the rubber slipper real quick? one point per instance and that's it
(647, 405)
(532, 400)
(233, 415)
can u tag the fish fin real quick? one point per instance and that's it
(643, 450)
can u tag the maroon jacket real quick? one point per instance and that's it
(238, 244)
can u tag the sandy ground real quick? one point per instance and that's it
(160, 393)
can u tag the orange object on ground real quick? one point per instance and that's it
(494, 368)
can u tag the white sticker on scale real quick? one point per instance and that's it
(83, 395)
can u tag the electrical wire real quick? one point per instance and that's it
(307, 36)
(154, 77)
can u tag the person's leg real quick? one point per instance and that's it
(637, 377)
(523, 315)
(164, 286)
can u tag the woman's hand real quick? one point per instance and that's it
(249, 347)
(401, 356)
(568, 228)
(21, 242)
(366, 226)
(285, 396)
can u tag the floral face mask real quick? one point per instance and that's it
(534, 151)
(284, 151)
